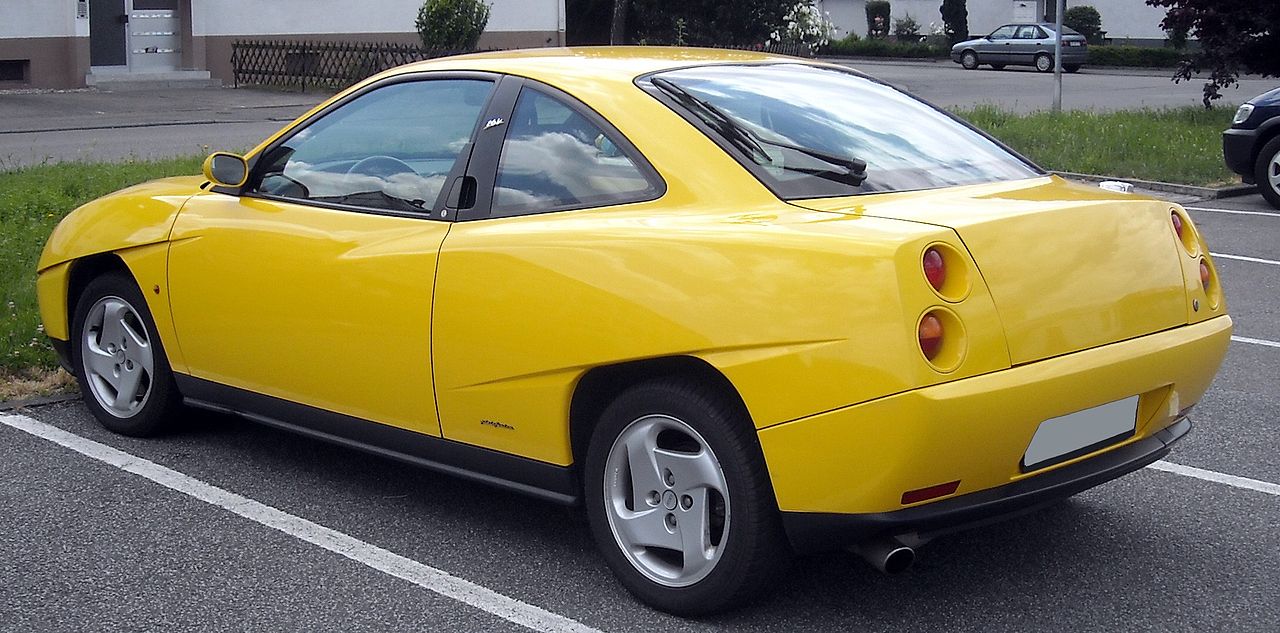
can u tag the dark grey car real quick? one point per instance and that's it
(1022, 45)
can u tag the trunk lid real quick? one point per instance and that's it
(1069, 266)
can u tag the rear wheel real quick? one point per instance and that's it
(117, 356)
(679, 500)
(969, 60)
(1044, 63)
(1266, 172)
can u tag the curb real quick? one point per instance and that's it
(26, 403)
(1207, 193)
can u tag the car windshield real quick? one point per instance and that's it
(804, 129)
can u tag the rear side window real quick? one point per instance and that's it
(555, 158)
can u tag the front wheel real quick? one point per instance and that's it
(969, 60)
(118, 359)
(1266, 172)
(1044, 63)
(679, 500)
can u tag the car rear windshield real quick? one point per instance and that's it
(804, 131)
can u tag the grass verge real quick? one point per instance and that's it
(32, 200)
(1178, 145)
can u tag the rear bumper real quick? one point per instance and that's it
(840, 476)
(1237, 151)
(810, 532)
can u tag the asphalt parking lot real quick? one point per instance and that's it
(229, 525)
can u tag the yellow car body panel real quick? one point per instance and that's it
(323, 307)
(779, 300)
(480, 331)
(861, 459)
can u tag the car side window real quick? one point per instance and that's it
(1003, 33)
(1042, 34)
(390, 149)
(555, 158)
(1027, 32)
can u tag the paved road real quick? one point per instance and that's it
(103, 126)
(91, 547)
(1024, 90)
(92, 125)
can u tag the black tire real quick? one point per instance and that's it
(997, 66)
(752, 547)
(1044, 63)
(969, 60)
(1266, 172)
(156, 396)
(1071, 68)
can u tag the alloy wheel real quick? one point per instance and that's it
(666, 500)
(117, 357)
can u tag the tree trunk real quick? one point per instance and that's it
(618, 32)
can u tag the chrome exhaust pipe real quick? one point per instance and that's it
(888, 554)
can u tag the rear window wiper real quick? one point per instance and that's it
(750, 142)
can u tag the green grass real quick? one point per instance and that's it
(1179, 145)
(32, 200)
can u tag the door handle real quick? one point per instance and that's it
(463, 193)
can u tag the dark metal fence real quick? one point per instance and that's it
(330, 65)
(335, 65)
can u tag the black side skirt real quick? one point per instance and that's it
(519, 474)
(813, 532)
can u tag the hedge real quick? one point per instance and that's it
(1141, 56)
(884, 48)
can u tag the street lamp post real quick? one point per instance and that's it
(1057, 57)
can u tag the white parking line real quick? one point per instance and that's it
(1232, 211)
(424, 576)
(1217, 477)
(1255, 341)
(1243, 258)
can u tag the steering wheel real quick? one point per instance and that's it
(380, 166)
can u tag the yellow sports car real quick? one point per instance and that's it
(737, 305)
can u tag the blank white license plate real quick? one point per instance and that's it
(1062, 438)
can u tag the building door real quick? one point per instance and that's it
(134, 35)
(1025, 11)
(108, 21)
(154, 38)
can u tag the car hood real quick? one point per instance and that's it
(1270, 98)
(1069, 266)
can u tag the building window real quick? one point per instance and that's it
(15, 70)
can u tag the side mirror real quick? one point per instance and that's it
(226, 170)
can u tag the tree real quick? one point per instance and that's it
(706, 22)
(878, 12)
(451, 25)
(618, 30)
(955, 20)
(1235, 36)
(1086, 20)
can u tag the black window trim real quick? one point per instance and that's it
(488, 153)
(435, 213)
(758, 170)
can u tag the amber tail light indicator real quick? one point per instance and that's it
(930, 333)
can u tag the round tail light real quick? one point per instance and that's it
(935, 269)
(930, 333)
(1205, 274)
(1177, 223)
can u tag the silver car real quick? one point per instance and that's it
(1022, 45)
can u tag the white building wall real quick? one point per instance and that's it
(301, 17)
(40, 18)
(1128, 19)
(849, 16)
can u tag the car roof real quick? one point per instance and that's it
(590, 65)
